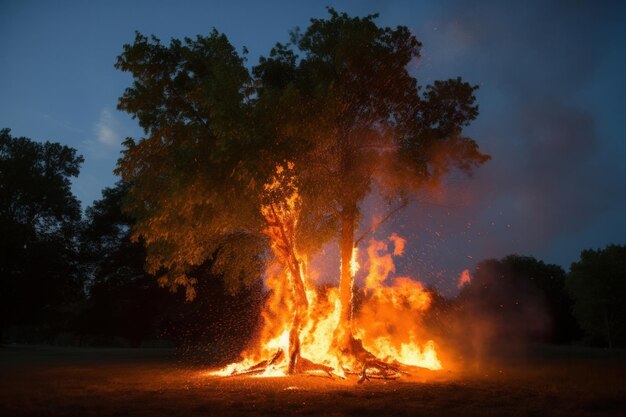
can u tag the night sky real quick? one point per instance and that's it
(551, 99)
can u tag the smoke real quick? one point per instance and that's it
(496, 315)
(550, 188)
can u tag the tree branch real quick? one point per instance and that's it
(375, 226)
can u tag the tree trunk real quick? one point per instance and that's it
(343, 334)
(283, 233)
(302, 305)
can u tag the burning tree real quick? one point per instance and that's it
(353, 103)
(233, 164)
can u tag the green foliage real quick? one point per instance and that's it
(194, 174)
(597, 283)
(352, 115)
(39, 220)
(338, 101)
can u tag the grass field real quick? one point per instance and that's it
(38, 381)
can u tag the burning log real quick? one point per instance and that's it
(260, 367)
(300, 366)
(386, 370)
(303, 365)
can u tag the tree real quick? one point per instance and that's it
(39, 220)
(597, 283)
(126, 305)
(106, 236)
(554, 300)
(123, 300)
(334, 124)
(358, 121)
(194, 177)
(198, 178)
(521, 299)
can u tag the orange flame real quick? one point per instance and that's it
(388, 322)
(464, 279)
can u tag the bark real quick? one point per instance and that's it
(287, 253)
(343, 334)
(299, 316)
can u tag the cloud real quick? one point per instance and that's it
(108, 132)
(107, 129)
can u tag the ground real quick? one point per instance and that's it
(38, 381)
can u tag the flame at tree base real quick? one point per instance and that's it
(301, 328)
(371, 355)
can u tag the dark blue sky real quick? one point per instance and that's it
(552, 107)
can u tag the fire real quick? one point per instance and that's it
(354, 263)
(464, 279)
(300, 319)
(377, 323)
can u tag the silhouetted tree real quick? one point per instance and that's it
(549, 279)
(218, 324)
(521, 298)
(124, 301)
(39, 221)
(597, 283)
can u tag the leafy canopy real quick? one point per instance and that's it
(35, 187)
(192, 172)
(341, 95)
(597, 283)
(39, 219)
(338, 101)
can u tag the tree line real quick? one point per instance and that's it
(78, 278)
(334, 115)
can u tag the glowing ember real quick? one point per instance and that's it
(300, 319)
(464, 279)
